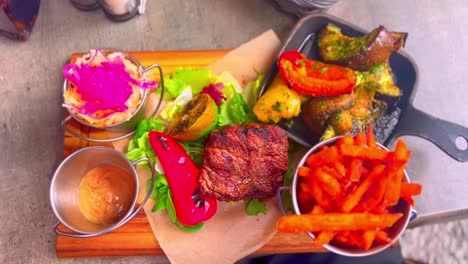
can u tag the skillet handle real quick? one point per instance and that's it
(442, 133)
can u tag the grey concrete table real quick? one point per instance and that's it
(30, 79)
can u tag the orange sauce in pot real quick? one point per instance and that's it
(105, 194)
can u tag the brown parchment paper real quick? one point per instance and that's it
(230, 235)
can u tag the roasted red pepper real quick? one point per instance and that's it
(182, 176)
(315, 78)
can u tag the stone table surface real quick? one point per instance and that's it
(30, 99)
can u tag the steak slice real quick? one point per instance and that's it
(244, 161)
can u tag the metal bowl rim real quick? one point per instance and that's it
(142, 103)
(333, 248)
(109, 227)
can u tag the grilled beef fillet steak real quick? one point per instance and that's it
(244, 161)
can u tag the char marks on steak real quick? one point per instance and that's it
(244, 161)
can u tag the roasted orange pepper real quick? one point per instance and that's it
(315, 78)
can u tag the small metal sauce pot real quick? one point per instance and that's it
(66, 181)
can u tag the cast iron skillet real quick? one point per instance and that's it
(402, 119)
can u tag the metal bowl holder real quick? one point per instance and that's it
(122, 221)
(161, 87)
(292, 192)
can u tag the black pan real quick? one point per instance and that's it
(402, 119)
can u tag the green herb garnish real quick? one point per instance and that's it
(324, 69)
(254, 206)
(314, 66)
(338, 117)
(277, 107)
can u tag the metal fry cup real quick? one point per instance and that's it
(394, 232)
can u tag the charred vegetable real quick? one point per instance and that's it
(364, 106)
(386, 89)
(278, 102)
(342, 122)
(355, 119)
(196, 119)
(359, 53)
(339, 116)
(315, 78)
(318, 110)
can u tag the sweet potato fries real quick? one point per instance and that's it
(347, 192)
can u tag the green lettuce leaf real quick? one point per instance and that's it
(235, 111)
(160, 204)
(229, 80)
(173, 87)
(189, 228)
(251, 90)
(228, 92)
(141, 148)
(171, 212)
(195, 150)
(135, 153)
(147, 125)
(159, 193)
(182, 77)
(256, 85)
(174, 107)
(254, 206)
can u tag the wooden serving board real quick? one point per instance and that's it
(136, 237)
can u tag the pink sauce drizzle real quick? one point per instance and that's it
(103, 87)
